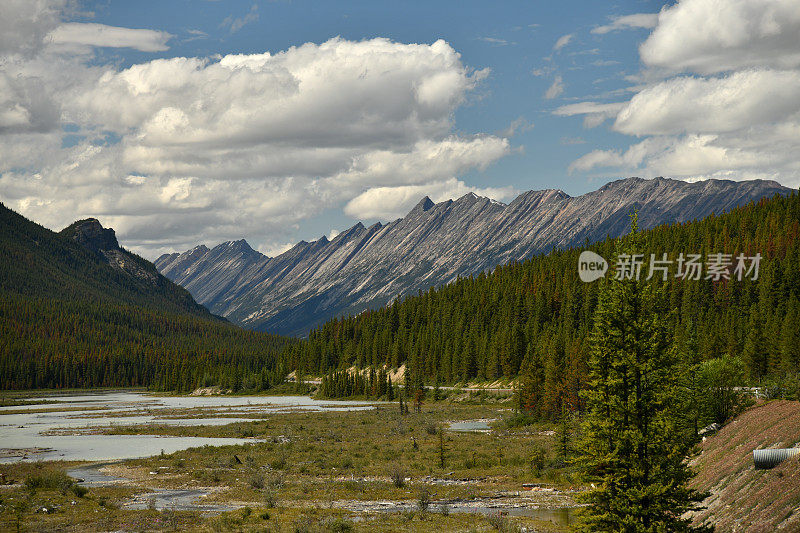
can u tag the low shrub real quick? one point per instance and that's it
(398, 476)
(52, 480)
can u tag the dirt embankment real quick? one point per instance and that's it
(744, 499)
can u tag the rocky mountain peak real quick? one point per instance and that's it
(424, 205)
(231, 250)
(102, 242)
(92, 235)
(240, 246)
(469, 197)
(353, 232)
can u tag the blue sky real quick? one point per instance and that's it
(180, 123)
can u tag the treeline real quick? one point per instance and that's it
(531, 319)
(368, 384)
(47, 343)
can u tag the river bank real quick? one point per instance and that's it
(302, 463)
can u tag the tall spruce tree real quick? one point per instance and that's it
(634, 448)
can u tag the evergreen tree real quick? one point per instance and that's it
(790, 339)
(720, 383)
(755, 352)
(632, 447)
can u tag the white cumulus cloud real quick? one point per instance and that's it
(709, 36)
(712, 105)
(25, 23)
(594, 113)
(176, 151)
(722, 98)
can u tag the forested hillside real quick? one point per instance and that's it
(532, 318)
(36, 262)
(47, 343)
(72, 317)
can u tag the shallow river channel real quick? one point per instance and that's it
(64, 426)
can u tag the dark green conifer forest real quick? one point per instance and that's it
(47, 343)
(68, 319)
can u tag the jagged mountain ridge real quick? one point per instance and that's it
(365, 267)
